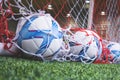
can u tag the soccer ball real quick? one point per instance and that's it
(114, 49)
(39, 35)
(86, 45)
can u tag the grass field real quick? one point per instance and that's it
(24, 69)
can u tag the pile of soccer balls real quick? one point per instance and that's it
(42, 36)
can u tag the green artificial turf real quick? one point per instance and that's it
(24, 69)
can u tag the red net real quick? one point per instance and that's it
(5, 34)
(102, 16)
(67, 12)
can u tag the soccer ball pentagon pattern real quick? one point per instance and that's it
(39, 35)
(87, 45)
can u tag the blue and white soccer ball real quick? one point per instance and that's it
(85, 46)
(39, 35)
(114, 49)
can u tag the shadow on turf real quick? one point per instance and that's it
(24, 56)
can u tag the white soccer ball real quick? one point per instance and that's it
(114, 49)
(39, 35)
(86, 45)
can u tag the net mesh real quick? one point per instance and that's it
(113, 18)
(106, 19)
(67, 12)
(100, 15)
(59, 9)
(5, 12)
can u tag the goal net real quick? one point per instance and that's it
(113, 19)
(99, 15)
(106, 19)
(67, 12)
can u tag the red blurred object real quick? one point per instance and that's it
(5, 34)
(104, 57)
